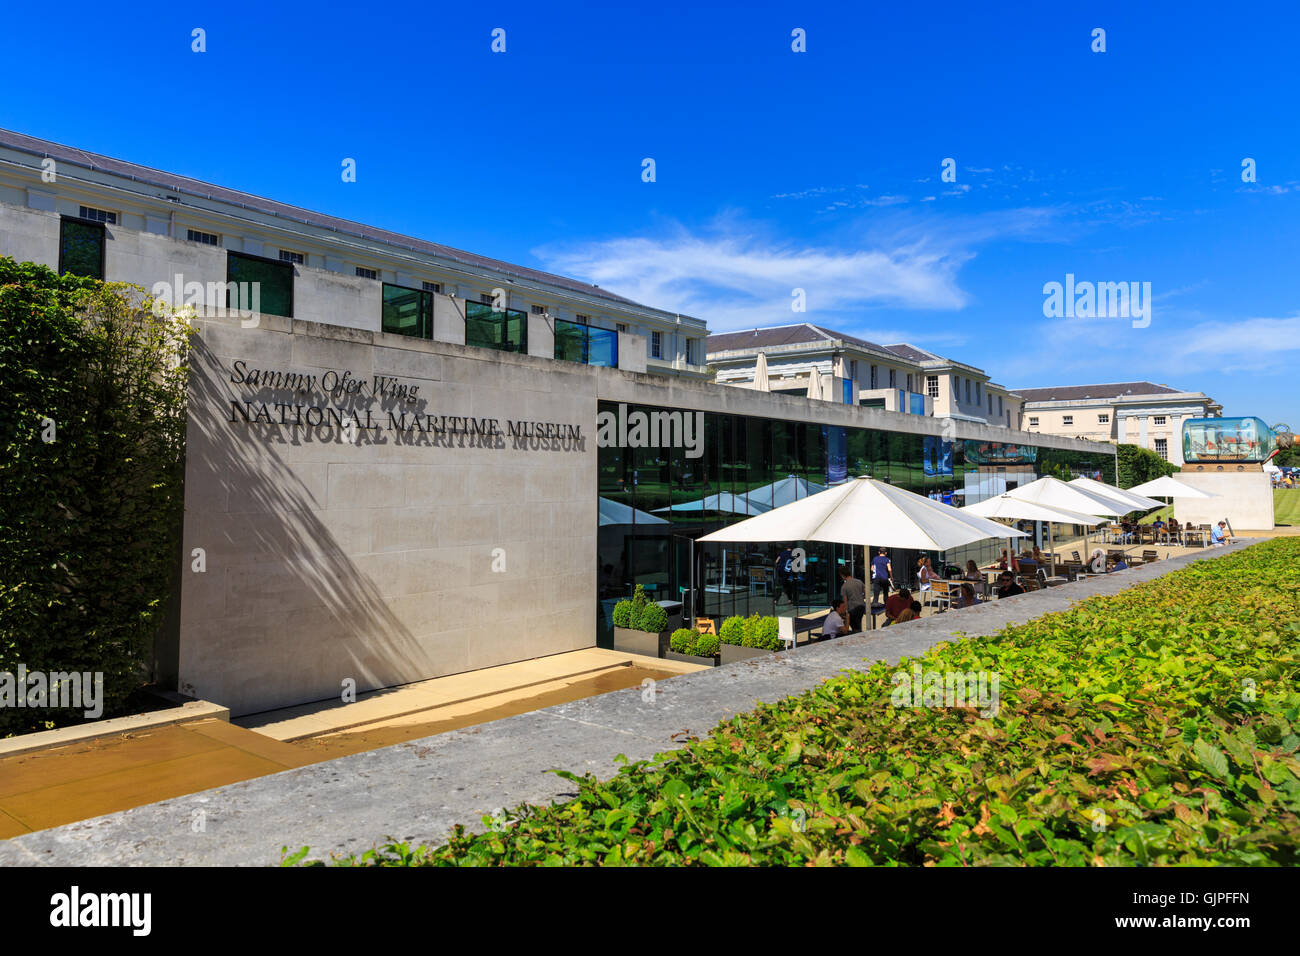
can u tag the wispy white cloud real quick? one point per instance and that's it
(736, 274)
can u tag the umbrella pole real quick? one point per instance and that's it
(692, 579)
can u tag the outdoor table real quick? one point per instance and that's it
(1200, 535)
(809, 622)
(1056, 581)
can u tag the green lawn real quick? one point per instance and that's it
(1286, 506)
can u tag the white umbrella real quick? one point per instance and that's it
(815, 385)
(1057, 494)
(615, 512)
(760, 373)
(722, 501)
(1136, 500)
(1170, 487)
(1008, 506)
(867, 512)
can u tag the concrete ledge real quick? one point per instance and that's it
(42, 740)
(420, 789)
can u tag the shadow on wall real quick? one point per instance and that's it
(282, 614)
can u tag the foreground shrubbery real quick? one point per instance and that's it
(92, 401)
(1159, 726)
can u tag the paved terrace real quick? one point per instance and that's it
(420, 789)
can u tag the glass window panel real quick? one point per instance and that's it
(81, 248)
(270, 283)
(407, 311)
(504, 331)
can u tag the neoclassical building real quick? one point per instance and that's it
(1130, 413)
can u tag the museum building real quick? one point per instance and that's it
(410, 461)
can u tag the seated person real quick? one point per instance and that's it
(966, 597)
(972, 572)
(1007, 586)
(1218, 534)
(896, 604)
(1008, 562)
(834, 624)
(910, 613)
(1118, 564)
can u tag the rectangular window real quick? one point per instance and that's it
(297, 258)
(990, 404)
(999, 406)
(1067, 419)
(582, 319)
(364, 273)
(874, 376)
(81, 247)
(486, 298)
(1160, 420)
(1162, 448)
(99, 215)
(893, 378)
(932, 386)
(1103, 419)
(853, 370)
(576, 342)
(207, 238)
(656, 345)
(1033, 421)
(968, 391)
(486, 328)
(432, 286)
(269, 280)
(622, 326)
(538, 309)
(407, 311)
(690, 352)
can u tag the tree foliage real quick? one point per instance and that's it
(92, 407)
(1138, 465)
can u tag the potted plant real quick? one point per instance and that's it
(743, 639)
(692, 647)
(646, 631)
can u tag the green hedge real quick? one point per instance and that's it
(89, 521)
(1157, 726)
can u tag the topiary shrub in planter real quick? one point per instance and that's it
(732, 631)
(692, 647)
(647, 629)
(623, 614)
(756, 636)
(653, 619)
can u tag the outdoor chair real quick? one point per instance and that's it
(1074, 556)
(941, 592)
(704, 625)
(760, 576)
(1149, 556)
(785, 632)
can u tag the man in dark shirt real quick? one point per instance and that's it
(881, 573)
(854, 593)
(1007, 586)
(897, 604)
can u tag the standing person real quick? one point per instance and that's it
(927, 576)
(854, 594)
(784, 578)
(882, 574)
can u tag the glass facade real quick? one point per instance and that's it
(407, 311)
(655, 501)
(575, 342)
(486, 328)
(272, 279)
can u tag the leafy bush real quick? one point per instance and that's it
(706, 645)
(1168, 713)
(762, 632)
(639, 602)
(653, 619)
(733, 631)
(92, 400)
(623, 614)
(1138, 465)
(683, 641)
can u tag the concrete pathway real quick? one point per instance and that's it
(418, 790)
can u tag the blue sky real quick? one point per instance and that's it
(774, 169)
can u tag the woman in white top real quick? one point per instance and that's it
(927, 575)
